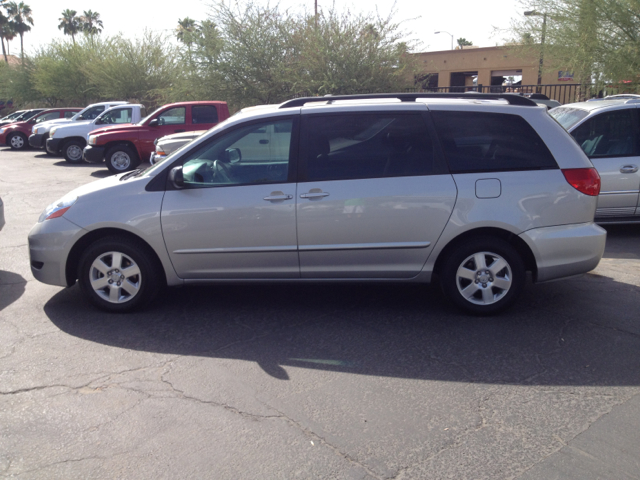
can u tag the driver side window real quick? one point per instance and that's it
(253, 154)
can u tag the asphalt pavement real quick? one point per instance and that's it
(382, 381)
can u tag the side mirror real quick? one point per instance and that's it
(153, 123)
(232, 155)
(80, 117)
(176, 177)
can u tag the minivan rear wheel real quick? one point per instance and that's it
(119, 274)
(483, 276)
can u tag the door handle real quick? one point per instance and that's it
(278, 197)
(317, 194)
(629, 169)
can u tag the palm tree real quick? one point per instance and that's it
(20, 15)
(91, 22)
(4, 29)
(186, 27)
(69, 23)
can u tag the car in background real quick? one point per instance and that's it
(542, 99)
(609, 133)
(168, 144)
(40, 132)
(11, 117)
(475, 191)
(70, 139)
(24, 116)
(16, 135)
(124, 148)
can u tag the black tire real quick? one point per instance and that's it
(121, 158)
(483, 289)
(72, 151)
(104, 279)
(17, 141)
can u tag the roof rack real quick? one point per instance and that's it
(513, 99)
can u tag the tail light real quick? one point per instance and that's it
(585, 180)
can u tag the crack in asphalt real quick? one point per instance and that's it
(566, 443)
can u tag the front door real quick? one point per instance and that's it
(236, 216)
(610, 139)
(372, 200)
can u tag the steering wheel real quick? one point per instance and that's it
(222, 170)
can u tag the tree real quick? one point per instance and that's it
(596, 39)
(463, 42)
(5, 29)
(20, 15)
(91, 23)
(70, 23)
(186, 28)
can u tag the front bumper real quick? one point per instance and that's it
(156, 158)
(37, 140)
(93, 154)
(566, 250)
(54, 145)
(49, 245)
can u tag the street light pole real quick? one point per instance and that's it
(442, 31)
(533, 13)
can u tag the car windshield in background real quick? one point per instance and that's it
(568, 117)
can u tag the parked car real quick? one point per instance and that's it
(542, 99)
(40, 133)
(609, 133)
(168, 144)
(70, 139)
(24, 116)
(11, 117)
(1, 214)
(124, 148)
(355, 188)
(15, 135)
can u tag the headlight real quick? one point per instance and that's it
(34, 130)
(2, 130)
(58, 208)
(92, 139)
(53, 131)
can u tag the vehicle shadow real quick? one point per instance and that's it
(582, 331)
(12, 287)
(623, 241)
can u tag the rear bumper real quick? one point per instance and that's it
(93, 154)
(54, 145)
(566, 250)
(37, 140)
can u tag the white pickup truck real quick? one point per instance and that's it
(40, 132)
(70, 139)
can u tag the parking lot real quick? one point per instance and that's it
(384, 381)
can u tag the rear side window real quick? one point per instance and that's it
(609, 134)
(357, 146)
(204, 114)
(490, 142)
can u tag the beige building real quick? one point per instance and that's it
(490, 66)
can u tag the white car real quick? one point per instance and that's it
(168, 144)
(40, 133)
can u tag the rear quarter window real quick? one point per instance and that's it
(490, 142)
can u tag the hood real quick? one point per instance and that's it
(67, 124)
(128, 128)
(50, 123)
(14, 125)
(181, 136)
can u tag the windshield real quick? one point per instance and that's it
(568, 117)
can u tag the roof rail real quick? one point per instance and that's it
(513, 99)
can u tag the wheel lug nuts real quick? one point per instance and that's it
(484, 285)
(118, 283)
(110, 281)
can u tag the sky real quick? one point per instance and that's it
(461, 18)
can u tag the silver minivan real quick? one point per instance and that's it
(386, 187)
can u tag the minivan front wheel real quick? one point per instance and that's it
(118, 274)
(17, 141)
(121, 158)
(483, 276)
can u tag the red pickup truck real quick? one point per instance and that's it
(125, 147)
